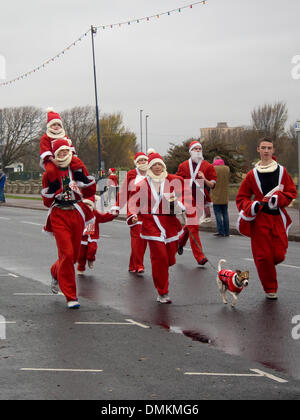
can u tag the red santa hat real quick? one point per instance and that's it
(53, 117)
(60, 144)
(90, 201)
(194, 144)
(138, 156)
(112, 171)
(156, 158)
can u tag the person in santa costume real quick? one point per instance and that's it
(67, 217)
(55, 131)
(91, 235)
(202, 177)
(262, 198)
(113, 184)
(155, 203)
(128, 187)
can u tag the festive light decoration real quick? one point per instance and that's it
(103, 27)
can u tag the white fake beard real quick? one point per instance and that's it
(64, 162)
(142, 166)
(56, 134)
(196, 156)
(157, 178)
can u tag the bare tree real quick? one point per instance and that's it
(80, 125)
(270, 119)
(18, 126)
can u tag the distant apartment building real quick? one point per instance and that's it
(221, 128)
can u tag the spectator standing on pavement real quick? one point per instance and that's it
(67, 217)
(198, 171)
(220, 196)
(262, 200)
(2, 185)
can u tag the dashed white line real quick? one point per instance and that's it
(258, 373)
(129, 322)
(282, 265)
(62, 370)
(31, 223)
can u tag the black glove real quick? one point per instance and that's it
(79, 176)
(54, 186)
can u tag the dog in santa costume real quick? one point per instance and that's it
(68, 216)
(55, 131)
(262, 200)
(155, 203)
(128, 187)
(202, 177)
(91, 235)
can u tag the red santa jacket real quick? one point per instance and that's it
(46, 147)
(250, 193)
(128, 188)
(186, 171)
(228, 278)
(158, 222)
(92, 231)
(71, 190)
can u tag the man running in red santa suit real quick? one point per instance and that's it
(261, 200)
(138, 245)
(155, 201)
(67, 217)
(196, 169)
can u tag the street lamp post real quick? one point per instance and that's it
(297, 128)
(141, 128)
(93, 32)
(147, 116)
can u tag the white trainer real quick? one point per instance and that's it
(271, 296)
(91, 264)
(73, 304)
(163, 299)
(54, 285)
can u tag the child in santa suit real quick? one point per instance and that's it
(90, 238)
(55, 131)
(128, 187)
(262, 198)
(112, 184)
(198, 171)
(67, 218)
(155, 202)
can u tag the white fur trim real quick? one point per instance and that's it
(275, 205)
(195, 145)
(253, 208)
(50, 109)
(55, 120)
(157, 160)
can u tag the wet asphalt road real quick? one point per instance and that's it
(197, 333)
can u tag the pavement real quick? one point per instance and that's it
(34, 202)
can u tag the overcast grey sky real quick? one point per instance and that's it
(189, 70)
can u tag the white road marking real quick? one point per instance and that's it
(37, 294)
(62, 370)
(8, 322)
(5, 218)
(31, 223)
(129, 322)
(9, 274)
(258, 374)
(281, 265)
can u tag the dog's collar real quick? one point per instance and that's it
(236, 282)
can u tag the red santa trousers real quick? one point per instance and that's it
(87, 253)
(269, 245)
(138, 248)
(192, 232)
(67, 227)
(162, 257)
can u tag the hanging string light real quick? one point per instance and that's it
(103, 27)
